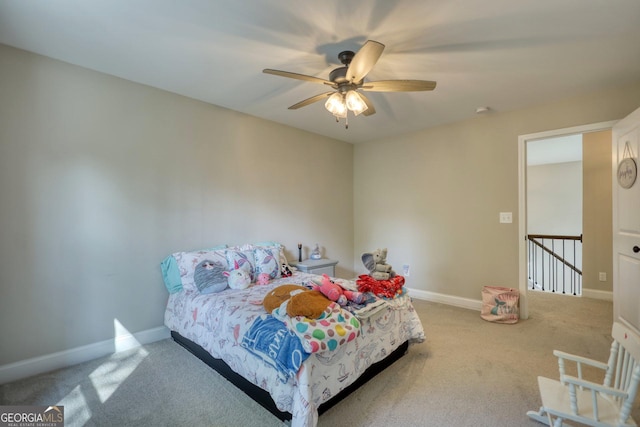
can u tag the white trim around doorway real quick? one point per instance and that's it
(522, 203)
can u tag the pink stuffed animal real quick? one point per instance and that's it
(263, 279)
(337, 293)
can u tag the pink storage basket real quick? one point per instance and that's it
(500, 304)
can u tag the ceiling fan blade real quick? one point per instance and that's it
(370, 108)
(399, 85)
(297, 76)
(311, 100)
(364, 60)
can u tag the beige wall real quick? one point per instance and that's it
(101, 178)
(433, 197)
(597, 255)
(554, 199)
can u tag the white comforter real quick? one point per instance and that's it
(217, 322)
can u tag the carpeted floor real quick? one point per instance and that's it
(468, 372)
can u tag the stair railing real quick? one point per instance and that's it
(550, 268)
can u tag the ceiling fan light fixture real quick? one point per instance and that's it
(349, 79)
(355, 102)
(336, 105)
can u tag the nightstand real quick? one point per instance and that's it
(316, 266)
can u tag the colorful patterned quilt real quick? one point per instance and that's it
(219, 322)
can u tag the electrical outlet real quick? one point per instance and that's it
(406, 271)
(602, 276)
(506, 217)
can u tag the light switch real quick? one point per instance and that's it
(506, 217)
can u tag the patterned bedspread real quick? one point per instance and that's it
(218, 322)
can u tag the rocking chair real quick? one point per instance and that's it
(607, 404)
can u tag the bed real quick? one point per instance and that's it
(215, 328)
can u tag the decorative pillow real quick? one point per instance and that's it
(243, 260)
(171, 274)
(267, 261)
(268, 243)
(188, 261)
(279, 246)
(209, 276)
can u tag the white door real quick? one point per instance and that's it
(626, 221)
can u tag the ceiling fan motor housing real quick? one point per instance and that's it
(346, 56)
(338, 75)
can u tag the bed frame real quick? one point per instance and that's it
(262, 396)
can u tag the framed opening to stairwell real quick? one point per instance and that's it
(522, 199)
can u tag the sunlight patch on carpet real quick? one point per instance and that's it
(107, 377)
(76, 410)
(103, 381)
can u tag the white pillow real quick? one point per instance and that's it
(267, 260)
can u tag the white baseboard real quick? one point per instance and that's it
(38, 365)
(468, 303)
(477, 304)
(590, 293)
(595, 294)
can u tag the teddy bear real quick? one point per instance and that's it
(238, 279)
(376, 263)
(300, 301)
(337, 293)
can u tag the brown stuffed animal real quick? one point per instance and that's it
(302, 301)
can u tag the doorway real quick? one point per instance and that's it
(522, 198)
(554, 197)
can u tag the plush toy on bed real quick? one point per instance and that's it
(376, 263)
(337, 293)
(391, 288)
(285, 271)
(209, 277)
(238, 279)
(300, 301)
(263, 279)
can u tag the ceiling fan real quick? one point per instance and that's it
(347, 82)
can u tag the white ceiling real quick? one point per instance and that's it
(503, 54)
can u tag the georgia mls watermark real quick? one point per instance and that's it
(31, 416)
